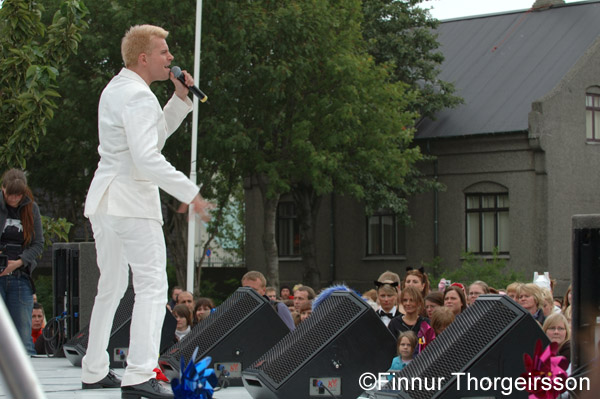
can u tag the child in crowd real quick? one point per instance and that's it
(202, 309)
(406, 344)
(305, 310)
(441, 318)
(184, 321)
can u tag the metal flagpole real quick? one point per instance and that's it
(191, 248)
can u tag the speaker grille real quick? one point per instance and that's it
(211, 330)
(294, 349)
(460, 343)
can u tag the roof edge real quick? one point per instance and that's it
(525, 10)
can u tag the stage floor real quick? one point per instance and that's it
(61, 380)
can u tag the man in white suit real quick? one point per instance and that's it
(124, 208)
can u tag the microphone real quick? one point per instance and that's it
(197, 92)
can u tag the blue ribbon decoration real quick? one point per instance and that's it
(196, 381)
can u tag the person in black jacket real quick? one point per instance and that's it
(21, 243)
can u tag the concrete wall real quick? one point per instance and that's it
(485, 164)
(558, 122)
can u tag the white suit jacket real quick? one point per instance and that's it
(132, 129)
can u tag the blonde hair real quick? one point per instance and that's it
(255, 276)
(556, 318)
(514, 287)
(389, 276)
(371, 294)
(484, 287)
(535, 291)
(138, 40)
(441, 318)
(547, 295)
(387, 288)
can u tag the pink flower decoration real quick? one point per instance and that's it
(545, 364)
(425, 336)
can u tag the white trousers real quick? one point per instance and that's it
(122, 243)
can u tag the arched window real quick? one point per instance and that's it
(592, 113)
(486, 218)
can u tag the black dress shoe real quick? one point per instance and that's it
(150, 389)
(110, 381)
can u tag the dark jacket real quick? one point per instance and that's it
(35, 248)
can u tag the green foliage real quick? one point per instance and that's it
(492, 271)
(400, 35)
(43, 290)
(31, 55)
(434, 269)
(298, 97)
(55, 230)
(208, 289)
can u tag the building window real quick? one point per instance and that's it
(487, 223)
(385, 235)
(592, 116)
(288, 231)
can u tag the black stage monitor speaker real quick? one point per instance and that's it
(118, 345)
(326, 354)
(586, 301)
(74, 296)
(485, 342)
(241, 329)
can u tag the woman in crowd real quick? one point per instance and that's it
(548, 306)
(433, 301)
(558, 330)
(395, 280)
(411, 320)
(454, 298)
(418, 279)
(511, 290)
(202, 309)
(476, 289)
(532, 299)
(387, 297)
(22, 242)
(184, 321)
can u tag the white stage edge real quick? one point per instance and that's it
(61, 380)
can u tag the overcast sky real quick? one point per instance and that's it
(446, 9)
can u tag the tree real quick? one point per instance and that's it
(302, 106)
(32, 55)
(401, 35)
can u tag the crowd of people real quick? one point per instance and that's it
(413, 312)
(416, 314)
